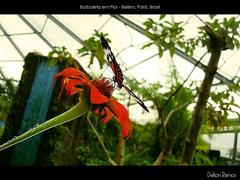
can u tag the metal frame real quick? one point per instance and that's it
(120, 18)
(234, 155)
(178, 51)
(11, 41)
(67, 30)
(35, 30)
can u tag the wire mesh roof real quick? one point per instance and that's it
(21, 34)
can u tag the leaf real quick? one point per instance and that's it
(100, 57)
(203, 147)
(230, 21)
(147, 45)
(201, 28)
(64, 48)
(215, 24)
(181, 44)
(225, 22)
(167, 22)
(84, 54)
(70, 60)
(91, 60)
(234, 104)
(50, 54)
(82, 50)
(78, 110)
(160, 51)
(52, 62)
(212, 16)
(172, 51)
(236, 43)
(149, 23)
(202, 159)
(234, 27)
(162, 16)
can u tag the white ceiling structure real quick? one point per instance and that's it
(21, 34)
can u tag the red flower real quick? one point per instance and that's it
(100, 92)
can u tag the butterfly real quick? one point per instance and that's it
(118, 74)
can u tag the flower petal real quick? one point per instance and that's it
(96, 96)
(55, 77)
(121, 115)
(70, 84)
(60, 94)
(109, 116)
(71, 90)
(74, 73)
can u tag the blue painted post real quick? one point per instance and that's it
(35, 113)
(2, 125)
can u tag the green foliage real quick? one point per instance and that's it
(230, 153)
(150, 91)
(226, 29)
(91, 152)
(90, 157)
(219, 106)
(93, 48)
(7, 87)
(1, 131)
(202, 159)
(201, 156)
(60, 55)
(167, 36)
(58, 146)
(178, 122)
(212, 16)
(141, 145)
(171, 161)
(7, 91)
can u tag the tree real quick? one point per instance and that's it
(216, 37)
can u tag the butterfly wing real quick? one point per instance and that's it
(107, 50)
(118, 78)
(137, 99)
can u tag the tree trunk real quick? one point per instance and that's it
(166, 151)
(120, 150)
(197, 118)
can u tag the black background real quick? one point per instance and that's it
(135, 172)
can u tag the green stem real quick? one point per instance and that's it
(101, 142)
(78, 110)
